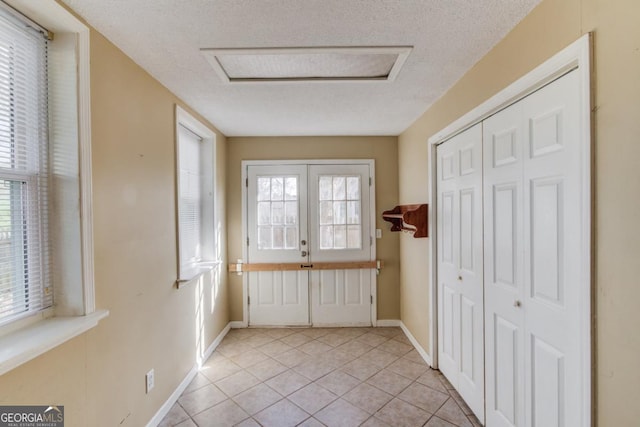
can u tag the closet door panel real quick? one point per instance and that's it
(552, 265)
(532, 189)
(503, 142)
(460, 266)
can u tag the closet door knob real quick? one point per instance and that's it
(517, 303)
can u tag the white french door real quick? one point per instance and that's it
(460, 266)
(277, 233)
(339, 230)
(301, 214)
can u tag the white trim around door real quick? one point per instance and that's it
(577, 57)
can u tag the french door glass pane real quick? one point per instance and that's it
(277, 190)
(325, 187)
(340, 237)
(354, 236)
(264, 238)
(326, 213)
(339, 212)
(338, 188)
(291, 240)
(278, 237)
(326, 237)
(264, 213)
(353, 212)
(291, 188)
(264, 189)
(290, 213)
(277, 213)
(353, 188)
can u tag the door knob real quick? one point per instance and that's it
(517, 303)
(303, 243)
(304, 254)
(460, 278)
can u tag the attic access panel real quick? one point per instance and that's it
(380, 63)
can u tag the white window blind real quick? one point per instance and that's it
(190, 208)
(24, 256)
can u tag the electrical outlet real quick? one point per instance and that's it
(151, 381)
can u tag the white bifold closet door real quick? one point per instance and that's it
(460, 266)
(509, 261)
(532, 250)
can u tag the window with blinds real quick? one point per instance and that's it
(190, 210)
(195, 202)
(24, 255)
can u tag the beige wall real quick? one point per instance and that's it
(550, 27)
(384, 150)
(99, 376)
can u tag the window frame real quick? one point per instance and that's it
(191, 270)
(74, 311)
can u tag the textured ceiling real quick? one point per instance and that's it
(165, 38)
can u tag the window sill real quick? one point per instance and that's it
(25, 344)
(195, 271)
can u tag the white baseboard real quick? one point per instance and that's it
(173, 398)
(216, 342)
(236, 324)
(387, 323)
(166, 407)
(415, 343)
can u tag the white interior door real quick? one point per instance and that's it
(460, 266)
(339, 231)
(532, 157)
(276, 228)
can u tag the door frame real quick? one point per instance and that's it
(372, 221)
(577, 56)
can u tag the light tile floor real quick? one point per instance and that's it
(318, 377)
